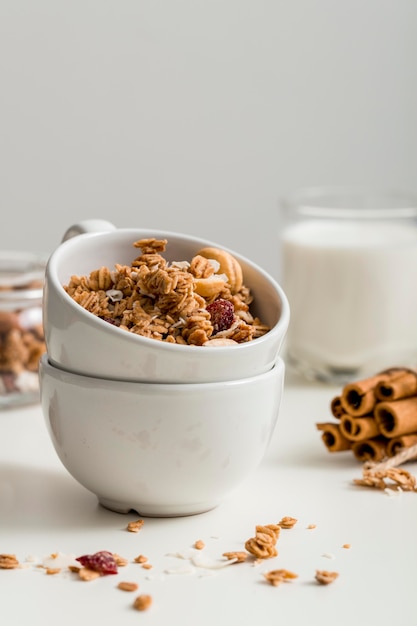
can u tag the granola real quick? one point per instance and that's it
(238, 556)
(168, 301)
(8, 561)
(142, 602)
(278, 576)
(262, 546)
(128, 586)
(287, 522)
(325, 578)
(134, 527)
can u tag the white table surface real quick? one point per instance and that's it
(43, 511)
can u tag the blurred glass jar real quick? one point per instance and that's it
(21, 331)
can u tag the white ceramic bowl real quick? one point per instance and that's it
(159, 449)
(80, 342)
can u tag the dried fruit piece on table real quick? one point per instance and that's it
(102, 562)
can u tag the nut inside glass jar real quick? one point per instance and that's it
(21, 331)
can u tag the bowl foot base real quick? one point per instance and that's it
(149, 510)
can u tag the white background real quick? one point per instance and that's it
(197, 115)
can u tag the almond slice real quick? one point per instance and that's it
(210, 287)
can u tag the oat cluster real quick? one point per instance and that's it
(8, 561)
(277, 576)
(387, 478)
(325, 577)
(168, 301)
(263, 544)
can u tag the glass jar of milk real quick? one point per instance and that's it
(349, 269)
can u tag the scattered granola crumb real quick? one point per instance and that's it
(8, 561)
(278, 576)
(128, 586)
(311, 526)
(199, 545)
(287, 522)
(328, 555)
(88, 574)
(134, 527)
(238, 556)
(50, 571)
(325, 578)
(142, 602)
(147, 566)
(262, 546)
(120, 560)
(347, 546)
(140, 559)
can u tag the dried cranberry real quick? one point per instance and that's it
(222, 314)
(110, 320)
(103, 562)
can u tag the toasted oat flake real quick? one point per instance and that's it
(88, 574)
(50, 571)
(287, 522)
(142, 602)
(347, 546)
(128, 586)
(140, 559)
(8, 561)
(147, 566)
(199, 545)
(134, 527)
(311, 526)
(120, 560)
(325, 578)
(278, 576)
(236, 556)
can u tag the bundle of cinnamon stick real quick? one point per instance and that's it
(376, 417)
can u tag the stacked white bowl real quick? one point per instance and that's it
(160, 428)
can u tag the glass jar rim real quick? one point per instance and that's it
(21, 276)
(349, 202)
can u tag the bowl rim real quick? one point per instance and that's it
(46, 368)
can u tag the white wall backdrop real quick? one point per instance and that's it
(196, 115)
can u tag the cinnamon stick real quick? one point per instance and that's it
(401, 385)
(370, 449)
(333, 438)
(395, 445)
(397, 418)
(336, 407)
(358, 398)
(359, 428)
